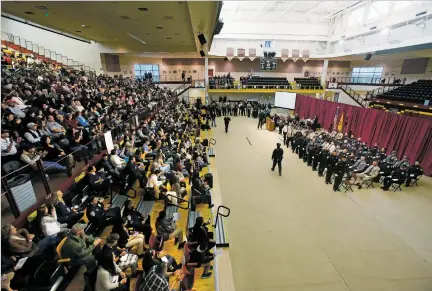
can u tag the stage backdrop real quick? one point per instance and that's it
(408, 136)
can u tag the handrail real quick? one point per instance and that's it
(221, 214)
(178, 205)
(266, 86)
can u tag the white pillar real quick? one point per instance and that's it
(206, 79)
(324, 73)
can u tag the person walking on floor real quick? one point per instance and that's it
(277, 157)
(227, 121)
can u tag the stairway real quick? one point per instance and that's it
(354, 95)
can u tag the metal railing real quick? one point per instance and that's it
(221, 214)
(370, 81)
(28, 47)
(265, 86)
(167, 202)
(356, 96)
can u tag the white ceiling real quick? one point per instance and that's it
(283, 11)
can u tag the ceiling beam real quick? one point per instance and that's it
(340, 11)
(291, 4)
(312, 8)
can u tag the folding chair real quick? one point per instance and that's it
(415, 181)
(368, 184)
(396, 185)
(347, 185)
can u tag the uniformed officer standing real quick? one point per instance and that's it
(340, 169)
(277, 157)
(227, 121)
(331, 163)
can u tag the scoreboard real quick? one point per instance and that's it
(268, 64)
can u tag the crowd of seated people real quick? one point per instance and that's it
(65, 109)
(416, 92)
(345, 161)
(221, 82)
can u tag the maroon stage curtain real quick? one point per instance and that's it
(408, 136)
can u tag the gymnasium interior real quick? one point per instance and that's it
(216, 145)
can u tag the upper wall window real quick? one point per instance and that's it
(141, 69)
(366, 74)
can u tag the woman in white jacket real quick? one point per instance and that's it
(110, 276)
(48, 222)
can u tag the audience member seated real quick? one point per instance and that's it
(369, 174)
(108, 167)
(116, 161)
(414, 173)
(103, 215)
(399, 175)
(136, 220)
(78, 247)
(155, 280)
(122, 258)
(98, 181)
(19, 241)
(129, 238)
(135, 172)
(110, 276)
(49, 225)
(151, 259)
(201, 191)
(65, 214)
(201, 234)
(165, 229)
(359, 166)
(200, 257)
(9, 147)
(221, 82)
(30, 156)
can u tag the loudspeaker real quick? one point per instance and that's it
(202, 39)
(225, 59)
(368, 57)
(218, 27)
(202, 53)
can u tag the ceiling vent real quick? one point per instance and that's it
(41, 7)
(124, 17)
(143, 9)
(421, 13)
(372, 28)
(168, 17)
(29, 13)
(159, 27)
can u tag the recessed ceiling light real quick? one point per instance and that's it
(29, 12)
(143, 9)
(41, 7)
(159, 27)
(83, 25)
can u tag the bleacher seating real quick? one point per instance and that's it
(308, 83)
(416, 92)
(257, 82)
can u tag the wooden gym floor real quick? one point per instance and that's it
(294, 233)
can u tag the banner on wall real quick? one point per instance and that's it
(284, 54)
(230, 53)
(295, 55)
(252, 54)
(306, 54)
(241, 53)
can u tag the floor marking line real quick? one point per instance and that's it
(248, 140)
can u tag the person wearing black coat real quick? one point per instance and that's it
(340, 169)
(331, 163)
(102, 215)
(277, 157)
(323, 157)
(137, 221)
(201, 234)
(65, 214)
(108, 167)
(134, 172)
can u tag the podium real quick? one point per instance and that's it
(270, 125)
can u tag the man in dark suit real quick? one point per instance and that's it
(277, 157)
(227, 121)
(135, 173)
